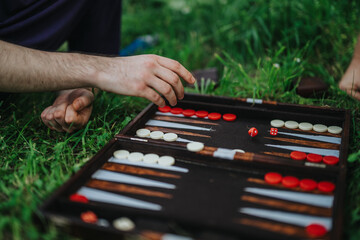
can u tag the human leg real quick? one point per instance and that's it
(350, 82)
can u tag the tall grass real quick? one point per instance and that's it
(260, 48)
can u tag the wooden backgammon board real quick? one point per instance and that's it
(243, 169)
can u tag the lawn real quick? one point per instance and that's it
(259, 47)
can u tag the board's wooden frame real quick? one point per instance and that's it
(50, 212)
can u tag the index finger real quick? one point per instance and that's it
(176, 67)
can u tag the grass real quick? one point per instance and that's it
(259, 47)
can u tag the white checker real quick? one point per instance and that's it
(170, 137)
(166, 161)
(239, 150)
(320, 128)
(143, 132)
(136, 157)
(334, 129)
(151, 158)
(195, 146)
(305, 126)
(291, 124)
(277, 123)
(121, 154)
(156, 135)
(123, 224)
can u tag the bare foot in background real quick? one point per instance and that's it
(350, 82)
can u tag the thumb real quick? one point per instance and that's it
(83, 101)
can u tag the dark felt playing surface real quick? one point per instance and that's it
(207, 197)
(206, 200)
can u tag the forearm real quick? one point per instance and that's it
(27, 70)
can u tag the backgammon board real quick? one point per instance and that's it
(213, 168)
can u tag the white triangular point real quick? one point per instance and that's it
(124, 178)
(320, 151)
(159, 123)
(142, 164)
(117, 199)
(335, 140)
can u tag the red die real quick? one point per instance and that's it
(253, 132)
(273, 131)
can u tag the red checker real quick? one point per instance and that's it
(273, 178)
(273, 131)
(201, 113)
(214, 116)
(315, 158)
(78, 198)
(188, 112)
(253, 132)
(89, 217)
(296, 155)
(290, 181)
(325, 186)
(308, 184)
(316, 230)
(176, 110)
(330, 160)
(164, 109)
(229, 117)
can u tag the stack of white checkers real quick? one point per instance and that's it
(150, 158)
(146, 133)
(305, 126)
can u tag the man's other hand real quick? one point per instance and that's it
(70, 111)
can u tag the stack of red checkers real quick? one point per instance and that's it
(293, 182)
(164, 109)
(229, 117)
(201, 113)
(316, 230)
(89, 217)
(188, 112)
(214, 116)
(315, 158)
(176, 110)
(296, 155)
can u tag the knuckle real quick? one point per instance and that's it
(49, 117)
(167, 90)
(140, 88)
(144, 75)
(174, 79)
(177, 65)
(156, 97)
(58, 114)
(188, 75)
(149, 63)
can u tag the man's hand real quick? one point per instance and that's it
(145, 76)
(70, 111)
